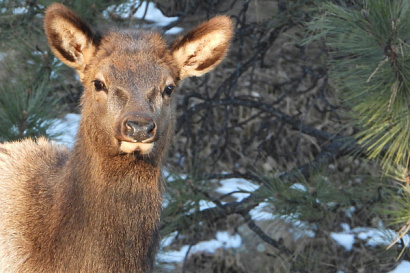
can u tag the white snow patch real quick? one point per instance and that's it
(173, 256)
(223, 239)
(345, 227)
(349, 211)
(67, 127)
(403, 267)
(298, 186)
(167, 241)
(53, 75)
(20, 10)
(149, 13)
(299, 229)
(237, 184)
(372, 236)
(259, 212)
(204, 204)
(255, 94)
(377, 237)
(343, 239)
(174, 30)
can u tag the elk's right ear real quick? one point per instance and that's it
(70, 38)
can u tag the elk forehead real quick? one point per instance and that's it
(140, 60)
(135, 73)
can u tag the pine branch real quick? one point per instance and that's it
(268, 108)
(371, 53)
(337, 147)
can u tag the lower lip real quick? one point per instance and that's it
(131, 147)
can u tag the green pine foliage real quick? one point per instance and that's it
(369, 43)
(321, 198)
(26, 109)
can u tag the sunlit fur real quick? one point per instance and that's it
(97, 208)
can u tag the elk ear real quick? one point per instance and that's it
(70, 38)
(203, 48)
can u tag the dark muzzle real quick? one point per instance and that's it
(137, 128)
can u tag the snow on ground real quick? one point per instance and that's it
(205, 204)
(223, 239)
(67, 128)
(148, 11)
(298, 186)
(372, 236)
(260, 213)
(237, 184)
(299, 229)
(403, 267)
(343, 239)
(16, 11)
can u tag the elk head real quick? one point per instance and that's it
(130, 77)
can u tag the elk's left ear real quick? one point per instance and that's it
(203, 48)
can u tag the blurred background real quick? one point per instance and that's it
(291, 156)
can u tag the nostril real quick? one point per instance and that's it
(139, 130)
(129, 128)
(151, 128)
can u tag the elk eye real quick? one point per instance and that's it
(169, 89)
(99, 85)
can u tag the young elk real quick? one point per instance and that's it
(97, 208)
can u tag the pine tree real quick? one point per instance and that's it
(370, 64)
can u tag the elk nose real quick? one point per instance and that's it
(139, 130)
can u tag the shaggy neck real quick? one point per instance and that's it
(116, 205)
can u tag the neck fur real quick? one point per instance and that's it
(115, 204)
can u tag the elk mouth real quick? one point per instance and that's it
(129, 146)
(136, 133)
(142, 148)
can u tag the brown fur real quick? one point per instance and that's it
(97, 208)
